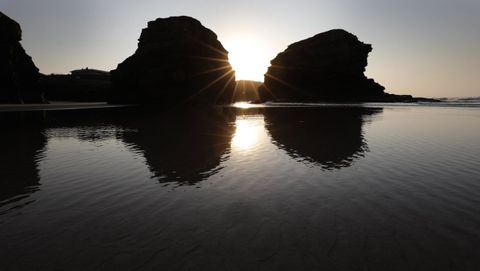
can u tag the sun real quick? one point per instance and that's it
(248, 58)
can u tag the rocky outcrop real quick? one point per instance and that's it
(327, 67)
(178, 61)
(18, 74)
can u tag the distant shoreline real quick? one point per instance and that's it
(56, 106)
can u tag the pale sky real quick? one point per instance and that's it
(424, 48)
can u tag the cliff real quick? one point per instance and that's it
(18, 74)
(328, 67)
(178, 61)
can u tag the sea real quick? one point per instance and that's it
(247, 187)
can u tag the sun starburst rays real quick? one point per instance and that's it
(246, 60)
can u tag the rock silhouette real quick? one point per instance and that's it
(330, 137)
(327, 67)
(18, 74)
(178, 60)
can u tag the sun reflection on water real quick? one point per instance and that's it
(246, 134)
(243, 105)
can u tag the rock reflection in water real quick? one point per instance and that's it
(330, 137)
(22, 142)
(181, 146)
(184, 146)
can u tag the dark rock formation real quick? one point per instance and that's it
(18, 74)
(178, 60)
(327, 67)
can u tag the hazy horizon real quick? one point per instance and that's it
(424, 49)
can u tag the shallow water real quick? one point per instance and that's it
(377, 187)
